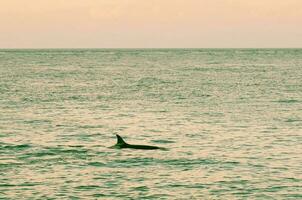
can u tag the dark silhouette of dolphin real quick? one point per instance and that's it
(122, 144)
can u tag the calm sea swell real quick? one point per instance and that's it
(231, 118)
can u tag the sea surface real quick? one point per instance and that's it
(230, 118)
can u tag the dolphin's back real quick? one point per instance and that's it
(122, 144)
(134, 146)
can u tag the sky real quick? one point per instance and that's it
(150, 23)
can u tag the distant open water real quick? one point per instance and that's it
(231, 118)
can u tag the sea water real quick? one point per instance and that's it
(230, 118)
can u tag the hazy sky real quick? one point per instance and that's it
(150, 23)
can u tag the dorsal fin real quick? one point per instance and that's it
(120, 140)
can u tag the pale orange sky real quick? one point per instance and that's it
(150, 23)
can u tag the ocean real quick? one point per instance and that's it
(231, 120)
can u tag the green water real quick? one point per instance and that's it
(231, 119)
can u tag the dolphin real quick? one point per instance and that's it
(121, 144)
